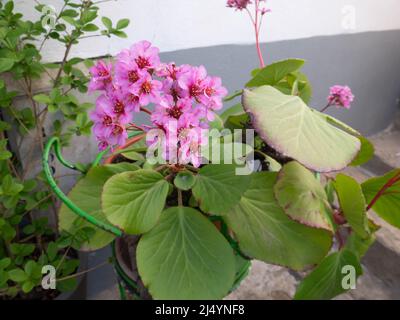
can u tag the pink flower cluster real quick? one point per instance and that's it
(340, 96)
(238, 4)
(184, 98)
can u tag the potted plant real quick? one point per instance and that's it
(33, 254)
(188, 207)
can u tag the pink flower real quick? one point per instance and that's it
(107, 128)
(185, 99)
(101, 76)
(190, 141)
(103, 117)
(340, 96)
(170, 70)
(145, 56)
(127, 73)
(117, 136)
(193, 82)
(238, 4)
(147, 89)
(214, 92)
(168, 110)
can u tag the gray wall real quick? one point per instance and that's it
(368, 62)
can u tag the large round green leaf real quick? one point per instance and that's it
(133, 201)
(266, 233)
(352, 203)
(86, 195)
(325, 282)
(218, 188)
(185, 257)
(289, 126)
(302, 196)
(388, 205)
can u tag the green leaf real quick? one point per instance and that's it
(17, 275)
(122, 24)
(358, 245)
(107, 22)
(4, 263)
(133, 201)
(302, 196)
(184, 180)
(235, 110)
(42, 98)
(119, 34)
(28, 286)
(185, 257)
(6, 64)
(353, 204)
(325, 282)
(133, 155)
(52, 250)
(90, 27)
(87, 196)
(218, 188)
(275, 72)
(289, 126)
(365, 154)
(266, 233)
(388, 205)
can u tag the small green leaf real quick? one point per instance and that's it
(122, 24)
(352, 203)
(90, 27)
(28, 286)
(17, 275)
(218, 188)
(273, 73)
(133, 201)
(42, 98)
(184, 180)
(325, 282)
(4, 263)
(107, 22)
(119, 34)
(6, 64)
(185, 257)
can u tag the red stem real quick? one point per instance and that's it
(131, 125)
(324, 109)
(257, 31)
(381, 192)
(145, 110)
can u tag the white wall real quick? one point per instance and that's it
(181, 24)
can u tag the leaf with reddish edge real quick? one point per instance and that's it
(289, 126)
(302, 196)
(383, 196)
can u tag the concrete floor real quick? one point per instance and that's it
(381, 278)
